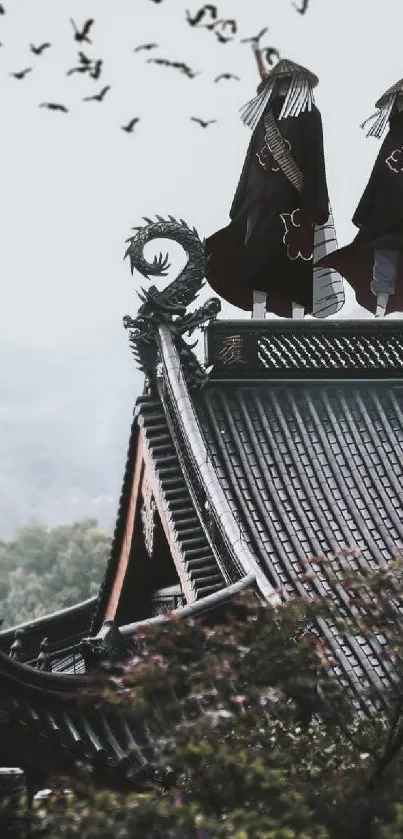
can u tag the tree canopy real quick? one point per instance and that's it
(257, 735)
(45, 569)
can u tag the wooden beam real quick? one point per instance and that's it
(128, 534)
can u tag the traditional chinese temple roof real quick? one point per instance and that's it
(289, 449)
(285, 443)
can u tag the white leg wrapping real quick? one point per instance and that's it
(259, 305)
(297, 311)
(381, 303)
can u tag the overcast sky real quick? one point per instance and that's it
(73, 185)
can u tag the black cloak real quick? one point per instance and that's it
(379, 217)
(273, 260)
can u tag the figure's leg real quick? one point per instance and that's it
(381, 303)
(259, 297)
(298, 311)
(259, 304)
(384, 278)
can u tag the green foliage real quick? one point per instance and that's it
(259, 736)
(43, 569)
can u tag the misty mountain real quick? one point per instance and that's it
(65, 417)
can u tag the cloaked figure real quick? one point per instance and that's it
(373, 262)
(281, 222)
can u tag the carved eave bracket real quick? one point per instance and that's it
(106, 647)
(148, 515)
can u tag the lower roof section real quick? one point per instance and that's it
(63, 629)
(49, 725)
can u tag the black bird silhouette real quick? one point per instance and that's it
(230, 24)
(98, 97)
(224, 25)
(270, 54)
(82, 35)
(222, 39)
(255, 38)
(145, 47)
(83, 59)
(54, 106)
(84, 68)
(303, 8)
(96, 70)
(130, 125)
(2, 9)
(200, 14)
(21, 73)
(202, 122)
(87, 65)
(227, 76)
(40, 49)
(179, 65)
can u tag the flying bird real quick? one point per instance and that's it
(21, 73)
(222, 39)
(255, 38)
(227, 76)
(303, 8)
(231, 24)
(179, 65)
(200, 14)
(82, 35)
(96, 70)
(83, 59)
(87, 65)
(224, 25)
(145, 47)
(84, 68)
(271, 55)
(130, 125)
(39, 49)
(54, 106)
(202, 122)
(98, 97)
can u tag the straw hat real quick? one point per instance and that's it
(285, 68)
(396, 88)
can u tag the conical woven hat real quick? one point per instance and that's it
(284, 68)
(385, 96)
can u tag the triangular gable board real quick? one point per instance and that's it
(155, 502)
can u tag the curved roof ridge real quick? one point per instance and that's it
(50, 616)
(212, 487)
(33, 680)
(211, 601)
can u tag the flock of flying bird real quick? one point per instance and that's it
(206, 17)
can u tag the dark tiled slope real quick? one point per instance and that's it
(310, 469)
